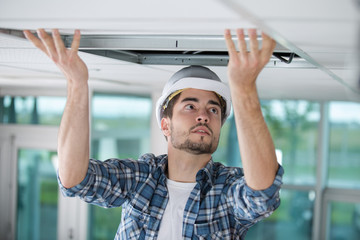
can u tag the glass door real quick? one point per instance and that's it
(37, 195)
(31, 205)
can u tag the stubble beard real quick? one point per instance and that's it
(192, 147)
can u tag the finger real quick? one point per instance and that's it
(76, 42)
(59, 44)
(254, 44)
(241, 41)
(35, 41)
(268, 47)
(230, 44)
(48, 43)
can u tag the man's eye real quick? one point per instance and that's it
(213, 110)
(189, 107)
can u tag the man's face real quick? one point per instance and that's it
(196, 122)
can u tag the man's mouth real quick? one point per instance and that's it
(201, 132)
(202, 129)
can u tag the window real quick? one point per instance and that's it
(31, 110)
(293, 218)
(294, 128)
(344, 220)
(120, 129)
(225, 153)
(37, 195)
(344, 154)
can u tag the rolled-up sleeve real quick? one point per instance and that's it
(107, 184)
(253, 205)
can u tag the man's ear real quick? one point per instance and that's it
(165, 126)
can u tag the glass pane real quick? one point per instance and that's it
(227, 151)
(37, 195)
(294, 129)
(120, 126)
(345, 221)
(120, 129)
(31, 110)
(292, 220)
(104, 222)
(344, 153)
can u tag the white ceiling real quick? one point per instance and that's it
(323, 32)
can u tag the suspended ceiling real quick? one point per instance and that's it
(119, 35)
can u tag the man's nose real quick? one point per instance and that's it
(202, 117)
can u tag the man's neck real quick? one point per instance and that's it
(183, 166)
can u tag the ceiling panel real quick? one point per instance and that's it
(324, 32)
(137, 16)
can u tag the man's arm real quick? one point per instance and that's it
(73, 138)
(255, 142)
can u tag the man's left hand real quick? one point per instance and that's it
(244, 66)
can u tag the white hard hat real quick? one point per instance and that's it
(197, 77)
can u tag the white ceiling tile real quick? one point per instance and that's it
(325, 30)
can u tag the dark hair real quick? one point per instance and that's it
(168, 111)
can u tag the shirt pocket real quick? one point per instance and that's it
(207, 231)
(135, 223)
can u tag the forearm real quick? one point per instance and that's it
(73, 138)
(255, 142)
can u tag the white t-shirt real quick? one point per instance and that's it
(172, 221)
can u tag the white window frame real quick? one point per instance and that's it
(72, 213)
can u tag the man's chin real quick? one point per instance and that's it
(197, 148)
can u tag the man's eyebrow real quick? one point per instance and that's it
(192, 99)
(214, 103)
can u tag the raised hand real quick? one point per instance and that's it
(255, 143)
(73, 137)
(67, 60)
(244, 66)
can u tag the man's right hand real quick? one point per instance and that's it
(73, 137)
(67, 60)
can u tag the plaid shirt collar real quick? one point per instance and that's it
(204, 176)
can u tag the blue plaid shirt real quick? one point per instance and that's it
(221, 205)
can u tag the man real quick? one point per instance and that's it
(182, 194)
